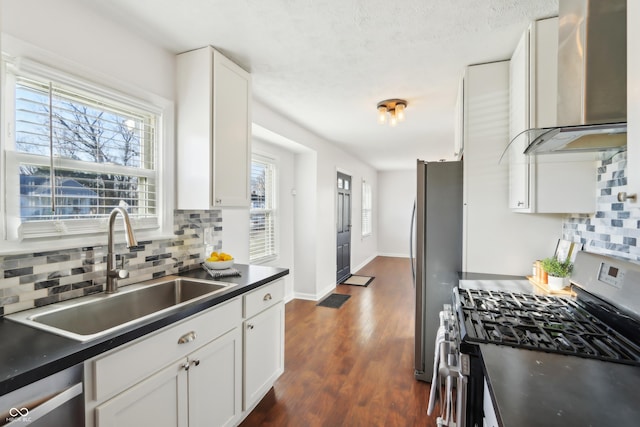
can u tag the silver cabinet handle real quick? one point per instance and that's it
(520, 203)
(250, 326)
(623, 196)
(185, 366)
(195, 362)
(267, 297)
(188, 337)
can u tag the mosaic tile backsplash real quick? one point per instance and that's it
(33, 280)
(613, 229)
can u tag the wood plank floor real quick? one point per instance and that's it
(351, 366)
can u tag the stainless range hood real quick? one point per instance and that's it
(592, 80)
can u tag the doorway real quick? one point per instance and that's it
(343, 216)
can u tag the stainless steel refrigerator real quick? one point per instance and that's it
(436, 252)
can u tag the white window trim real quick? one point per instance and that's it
(274, 160)
(10, 242)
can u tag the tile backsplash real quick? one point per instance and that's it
(613, 229)
(33, 280)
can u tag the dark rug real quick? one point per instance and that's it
(334, 301)
(357, 280)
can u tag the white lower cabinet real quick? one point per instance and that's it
(187, 374)
(215, 382)
(263, 341)
(264, 352)
(201, 390)
(210, 369)
(160, 400)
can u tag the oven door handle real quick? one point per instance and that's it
(436, 365)
(45, 407)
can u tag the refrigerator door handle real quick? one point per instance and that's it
(411, 259)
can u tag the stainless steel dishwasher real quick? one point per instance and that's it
(53, 401)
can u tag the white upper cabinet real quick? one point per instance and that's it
(213, 131)
(633, 101)
(458, 139)
(552, 183)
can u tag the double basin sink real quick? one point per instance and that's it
(95, 316)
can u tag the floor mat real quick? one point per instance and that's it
(356, 280)
(334, 301)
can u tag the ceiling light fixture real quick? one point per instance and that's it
(394, 108)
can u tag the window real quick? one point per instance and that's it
(262, 231)
(74, 152)
(366, 209)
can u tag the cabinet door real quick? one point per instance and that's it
(231, 133)
(633, 102)
(264, 352)
(519, 167)
(215, 382)
(159, 401)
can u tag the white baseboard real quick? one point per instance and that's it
(394, 255)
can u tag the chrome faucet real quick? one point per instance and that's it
(113, 273)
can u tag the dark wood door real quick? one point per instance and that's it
(343, 216)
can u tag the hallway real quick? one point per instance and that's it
(351, 366)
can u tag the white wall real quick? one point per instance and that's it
(495, 239)
(316, 275)
(73, 37)
(305, 231)
(396, 193)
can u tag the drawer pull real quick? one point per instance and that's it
(187, 338)
(267, 297)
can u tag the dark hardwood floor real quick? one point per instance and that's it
(351, 366)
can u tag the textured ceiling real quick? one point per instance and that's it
(325, 64)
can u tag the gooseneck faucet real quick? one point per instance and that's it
(113, 274)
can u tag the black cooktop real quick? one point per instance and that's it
(544, 323)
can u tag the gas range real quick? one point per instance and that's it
(544, 323)
(600, 323)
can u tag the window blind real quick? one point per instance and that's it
(262, 227)
(78, 156)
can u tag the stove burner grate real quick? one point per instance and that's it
(543, 323)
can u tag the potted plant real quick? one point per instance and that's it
(558, 272)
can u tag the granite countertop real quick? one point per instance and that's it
(535, 388)
(28, 354)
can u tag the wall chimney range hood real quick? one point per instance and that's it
(592, 80)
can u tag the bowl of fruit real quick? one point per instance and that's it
(219, 261)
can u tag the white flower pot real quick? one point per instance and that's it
(557, 283)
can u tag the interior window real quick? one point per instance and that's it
(262, 233)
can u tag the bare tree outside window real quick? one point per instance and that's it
(96, 149)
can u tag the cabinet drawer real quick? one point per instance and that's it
(122, 368)
(263, 297)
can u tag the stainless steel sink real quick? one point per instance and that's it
(95, 316)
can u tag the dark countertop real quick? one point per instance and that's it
(28, 354)
(467, 275)
(533, 388)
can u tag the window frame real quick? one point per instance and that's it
(273, 211)
(71, 233)
(366, 207)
